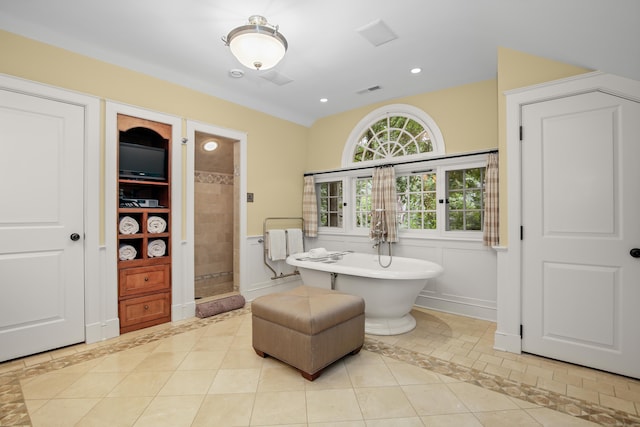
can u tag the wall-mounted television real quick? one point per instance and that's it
(142, 162)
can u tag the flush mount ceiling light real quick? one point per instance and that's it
(257, 44)
(210, 146)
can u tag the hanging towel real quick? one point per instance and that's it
(127, 252)
(156, 224)
(156, 248)
(128, 225)
(277, 247)
(294, 241)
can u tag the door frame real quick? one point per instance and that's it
(93, 232)
(241, 174)
(509, 292)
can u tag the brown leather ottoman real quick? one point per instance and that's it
(308, 328)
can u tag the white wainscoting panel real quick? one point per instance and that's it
(259, 278)
(467, 287)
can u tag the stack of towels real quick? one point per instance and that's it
(128, 225)
(156, 224)
(127, 252)
(156, 248)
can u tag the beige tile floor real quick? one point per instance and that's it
(204, 372)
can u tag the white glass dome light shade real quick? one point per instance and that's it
(257, 45)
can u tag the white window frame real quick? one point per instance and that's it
(409, 111)
(434, 160)
(439, 166)
(320, 179)
(462, 234)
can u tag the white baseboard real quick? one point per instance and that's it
(98, 331)
(183, 311)
(507, 342)
(266, 288)
(454, 307)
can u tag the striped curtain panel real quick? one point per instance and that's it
(384, 203)
(491, 235)
(310, 207)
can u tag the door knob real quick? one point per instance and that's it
(635, 252)
(75, 237)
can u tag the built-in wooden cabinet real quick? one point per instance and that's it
(144, 205)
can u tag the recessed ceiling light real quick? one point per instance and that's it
(210, 146)
(416, 70)
(324, 100)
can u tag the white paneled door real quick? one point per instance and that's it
(581, 228)
(41, 224)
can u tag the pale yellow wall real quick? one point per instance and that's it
(466, 116)
(516, 70)
(471, 117)
(275, 147)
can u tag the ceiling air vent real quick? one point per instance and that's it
(369, 89)
(377, 32)
(276, 78)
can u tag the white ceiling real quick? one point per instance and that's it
(454, 42)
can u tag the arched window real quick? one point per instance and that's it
(393, 133)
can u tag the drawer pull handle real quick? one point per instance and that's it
(146, 307)
(146, 278)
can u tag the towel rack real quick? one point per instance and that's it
(269, 224)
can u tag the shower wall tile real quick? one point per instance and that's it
(214, 224)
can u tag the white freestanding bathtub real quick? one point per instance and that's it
(389, 293)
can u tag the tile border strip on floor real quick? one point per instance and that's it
(14, 411)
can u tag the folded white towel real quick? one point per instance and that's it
(318, 253)
(294, 241)
(277, 245)
(156, 224)
(156, 248)
(127, 252)
(128, 225)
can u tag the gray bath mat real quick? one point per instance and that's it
(219, 305)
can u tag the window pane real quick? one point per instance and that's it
(425, 145)
(474, 221)
(329, 204)
(430, 221)
(415, 221)
(415, 183)
(430, 201)
(401, 184)
(415, 202)
(429, 182)
(456, 200)
(414, 128)
(455, 179)
(363, 202)
(397, 121)
(456, 220)
(473, 199)
(392, 136)
(473, 178)
(465, 193)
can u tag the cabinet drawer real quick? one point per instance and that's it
(141, 280)
(145, 309)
